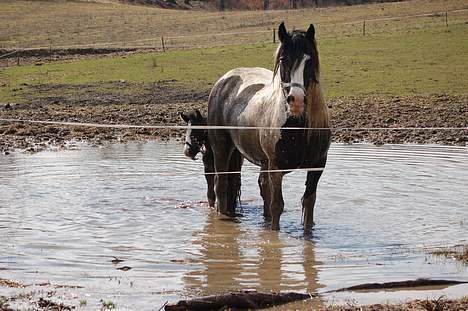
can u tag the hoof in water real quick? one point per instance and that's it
(228, 218)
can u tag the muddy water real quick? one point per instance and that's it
(65, 215)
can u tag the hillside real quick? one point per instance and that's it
(72, 24)
(249, 4)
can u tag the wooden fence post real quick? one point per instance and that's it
(163, 46)
(364, 28)
(446, 18)
(274, 35)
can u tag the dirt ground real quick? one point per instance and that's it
(49, 299)
(415, 305)
(39, 56)
(160, 104)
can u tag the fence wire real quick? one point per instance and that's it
(222, 127)
(186, 127)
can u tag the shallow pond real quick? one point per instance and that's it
(380, 210)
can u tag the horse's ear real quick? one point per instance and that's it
(199, 115)
(184, 117)
(311, 32)
(283, 33)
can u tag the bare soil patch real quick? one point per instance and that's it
(160, 104)
(436, 119)
(39, 56)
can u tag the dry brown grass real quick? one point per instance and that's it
(459, 252)
(27, 24)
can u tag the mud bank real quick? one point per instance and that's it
(160, 103)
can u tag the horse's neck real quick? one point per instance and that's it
(273, 101)
(275, 90)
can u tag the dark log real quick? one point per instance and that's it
(401, 284)
(239, 301)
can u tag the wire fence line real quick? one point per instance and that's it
(185, 127)
(218, 127)
(164, 42)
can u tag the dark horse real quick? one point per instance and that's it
(196, 141)
(271, 102)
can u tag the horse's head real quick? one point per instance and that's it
(194, 138)
(298, 65)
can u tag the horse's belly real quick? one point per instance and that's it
(247, 142)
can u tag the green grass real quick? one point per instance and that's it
(425, 61)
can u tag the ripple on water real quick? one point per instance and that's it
(65, 215)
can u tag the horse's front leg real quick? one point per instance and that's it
(276, 192)
(208, 163)
(265, 192)
(310, 195)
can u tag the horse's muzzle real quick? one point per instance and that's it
(190, 152)
(295, 101)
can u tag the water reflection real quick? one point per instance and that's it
(235, 257)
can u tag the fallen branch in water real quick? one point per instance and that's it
(239, 301)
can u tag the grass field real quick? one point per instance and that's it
(419, 57)
(418, 62)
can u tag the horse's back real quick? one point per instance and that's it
(233, 91)
(248, 75)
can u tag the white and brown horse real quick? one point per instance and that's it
(271, 101)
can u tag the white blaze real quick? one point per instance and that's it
(297, 76)
(296, 106)
(188, 139)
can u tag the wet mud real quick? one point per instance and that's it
(419, 305)
(160, 103)
(245, 300)
(412, 284)
(424, 113)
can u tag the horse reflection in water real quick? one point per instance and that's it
(234, 257)
(270, 102)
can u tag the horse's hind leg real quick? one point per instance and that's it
(310, 195)
(264, 185)
(222, 148)
(234, 180)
